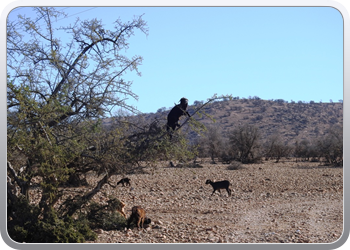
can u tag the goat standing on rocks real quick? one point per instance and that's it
(220, 185)
(124, 181)
(138, 214)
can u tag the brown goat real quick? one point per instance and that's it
(120, 209)
(138, 214)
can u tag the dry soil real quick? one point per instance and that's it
(284, 202)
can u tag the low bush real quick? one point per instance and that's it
(105, 217)
(29, 227)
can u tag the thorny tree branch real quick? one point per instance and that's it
(197, 110)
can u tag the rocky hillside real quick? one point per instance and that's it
(292, 120)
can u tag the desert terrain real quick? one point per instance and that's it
(285, 202)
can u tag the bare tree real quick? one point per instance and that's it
(245, 140)
(212, 142)
(276, 148)
(331, 146)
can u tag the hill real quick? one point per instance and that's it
(291, 120)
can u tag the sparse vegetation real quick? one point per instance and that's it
(63, 151)
(277, 128)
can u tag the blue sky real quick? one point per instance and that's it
(290, 53)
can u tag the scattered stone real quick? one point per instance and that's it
(185, 212)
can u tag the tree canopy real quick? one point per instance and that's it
(58, 92)
(84, 74)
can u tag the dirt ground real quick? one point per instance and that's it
(270, 203)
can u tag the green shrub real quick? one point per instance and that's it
(28, 226)
(106, 217)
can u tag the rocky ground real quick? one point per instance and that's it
(272, 202)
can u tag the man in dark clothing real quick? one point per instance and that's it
(175, 114)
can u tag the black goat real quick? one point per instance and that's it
(124, 181)
(220, 185)
(175, 114)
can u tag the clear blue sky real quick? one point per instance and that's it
(290, 53)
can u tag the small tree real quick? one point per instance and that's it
(302, 149)
(276, 148)
(161, 110)
(212, 142)
(331, 146)
(245, 140)
(57, 93)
